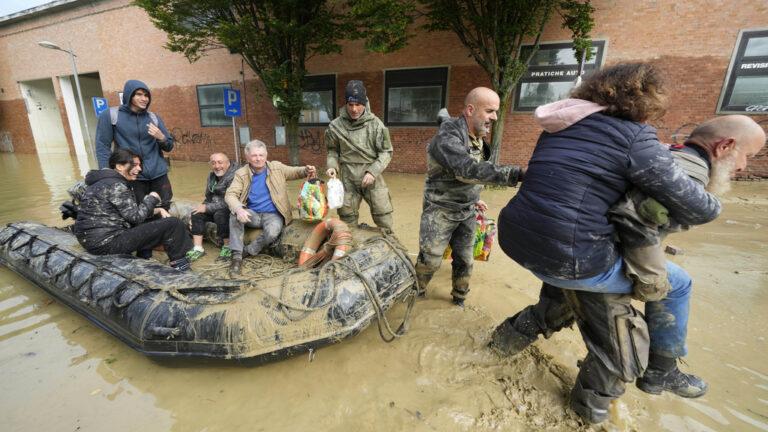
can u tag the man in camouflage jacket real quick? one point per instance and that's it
(457, 166)
(359, 145)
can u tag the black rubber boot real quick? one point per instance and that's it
(507, 340)
(590, 405)
(664, 375)
(594, 390)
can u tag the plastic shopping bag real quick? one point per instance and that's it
(312, 204)
(335, 193)
(485, 233)
(484, 236)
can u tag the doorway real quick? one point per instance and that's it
(44, 116)
(90, 85)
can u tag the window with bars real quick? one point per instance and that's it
(413, 97)
(210, 102)
(319, 94)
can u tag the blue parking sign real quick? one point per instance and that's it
(99, 105)
(232, 103)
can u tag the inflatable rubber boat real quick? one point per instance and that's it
(166, 313)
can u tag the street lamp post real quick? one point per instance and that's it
(53, 46)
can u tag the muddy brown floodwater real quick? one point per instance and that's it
(58, 372)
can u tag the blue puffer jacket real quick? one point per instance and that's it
(557, 224)
(131, 133)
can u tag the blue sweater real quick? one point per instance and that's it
(131, 133)
(557, 224)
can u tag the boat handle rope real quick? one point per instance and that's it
(382, 321)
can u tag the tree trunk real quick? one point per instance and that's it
(292, 140)
(498, 126)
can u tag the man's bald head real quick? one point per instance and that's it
(730, 140)
(742, 129)
(480, 94)
(221, 156)
(480, 108)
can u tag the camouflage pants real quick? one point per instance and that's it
(376, 196)
(439, 228)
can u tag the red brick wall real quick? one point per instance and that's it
(14, 120)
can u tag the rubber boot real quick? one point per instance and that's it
(594, 390)
(590, 405)
(664, 375)
(515, 334)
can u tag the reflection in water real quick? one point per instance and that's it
(438, 377)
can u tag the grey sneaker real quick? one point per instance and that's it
(685, 385)
(235, 266)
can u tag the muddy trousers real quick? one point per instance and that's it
(439, 228)
(142, 188)
(617, 341)
(617, 337)
(376, 196)
(219, 217)
(169, 232)
(271, 225)
(161, 185)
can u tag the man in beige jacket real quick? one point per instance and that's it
(257, 198)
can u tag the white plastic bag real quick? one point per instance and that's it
(335, 193)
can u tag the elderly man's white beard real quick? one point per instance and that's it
(720, 177)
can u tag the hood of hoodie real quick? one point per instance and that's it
(95, 176)
(351, 124)
(556, 116)
(129, 88)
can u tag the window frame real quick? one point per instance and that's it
(319, 85)
(200, 107)
(600, 44)
(734, 72)
(408, 77)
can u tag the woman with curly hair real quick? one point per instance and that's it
(595, 147)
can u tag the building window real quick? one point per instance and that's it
(210, 101)
(746, 85)
(319, 95)
(414, 96)
(552, 73)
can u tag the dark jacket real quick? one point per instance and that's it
(215, 188)
(456, 169)
(131, 133)
(108, 208)
(557, 224)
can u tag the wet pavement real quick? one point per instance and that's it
(59, 372)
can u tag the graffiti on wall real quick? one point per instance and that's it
(6, 144)
(188, 137)
(310, 140)
(757, 108)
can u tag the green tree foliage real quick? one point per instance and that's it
(277, 37)
(494, 30)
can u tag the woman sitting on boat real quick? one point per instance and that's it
(110, 221)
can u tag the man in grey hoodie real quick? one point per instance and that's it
(142, 132)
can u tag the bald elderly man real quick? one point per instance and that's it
(457, 167)
(213, 208)
(723, 145)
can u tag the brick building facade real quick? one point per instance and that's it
(694, 41)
